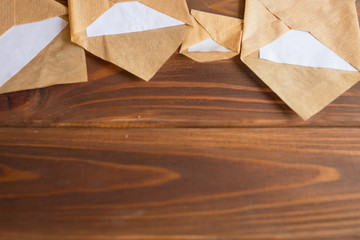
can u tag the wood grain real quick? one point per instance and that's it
(272, 176)
(183, 94)
(179, 184)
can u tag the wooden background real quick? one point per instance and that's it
(203, 151)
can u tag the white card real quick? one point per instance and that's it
(22, 43)
(209, 45)
(301, 48)
(129, 17)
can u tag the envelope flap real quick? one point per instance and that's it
(333, 23)
(261, 28)
(84, 12)
(306, 90)
(140, 53)
(27, 11)
(224, 30)
(61, 62)
(174, 8)
(7, 17)
(196, 35)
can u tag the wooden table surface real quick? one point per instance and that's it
(203, 151)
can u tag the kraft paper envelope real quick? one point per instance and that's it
(138, 36)
(214, 37)
(35, 46)
(307, 52)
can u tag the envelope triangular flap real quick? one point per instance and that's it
(22, 43)
(261, 28)
(27, 11)
(196, 35)
(142, 61)
(226, 31)
(83, 13)
(304, 89)
(334, 23)
(7, 15)
(178, 10)
(61, 62)
(181, 13)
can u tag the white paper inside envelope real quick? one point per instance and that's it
(129, 17)
(22, 43)
(301, 48)
(208, 45)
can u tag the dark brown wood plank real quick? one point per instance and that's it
(179, 184)
(183, 94)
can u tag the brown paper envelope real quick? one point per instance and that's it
(307, 90)
(141, 53)
(59, 62)
(224, 30)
